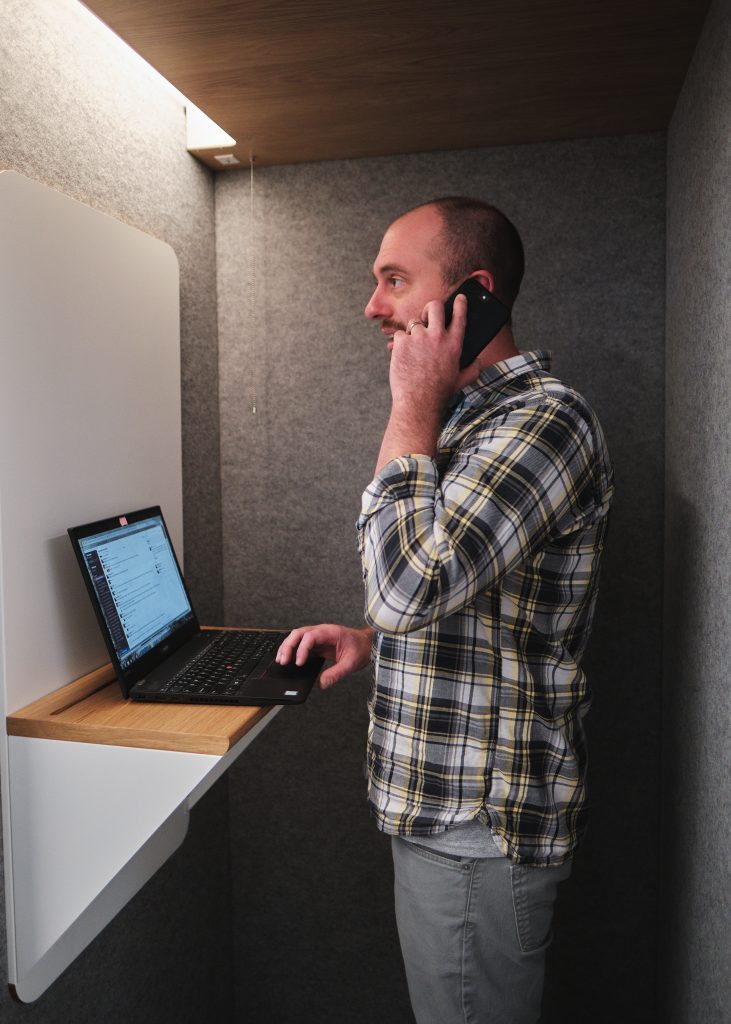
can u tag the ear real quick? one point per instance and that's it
(485, 278)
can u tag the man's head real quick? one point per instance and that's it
(432, 249)
(477, 236)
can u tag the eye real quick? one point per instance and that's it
(395, 282)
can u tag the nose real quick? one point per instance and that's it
(376, 308)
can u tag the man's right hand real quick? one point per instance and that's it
(349, 649)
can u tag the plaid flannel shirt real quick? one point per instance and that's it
(481, 570)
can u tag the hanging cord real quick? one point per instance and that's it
(250, 303)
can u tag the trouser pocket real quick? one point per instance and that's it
(534, 895)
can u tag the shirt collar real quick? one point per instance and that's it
(498, 377)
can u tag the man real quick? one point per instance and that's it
(480, 537)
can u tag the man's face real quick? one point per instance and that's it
(407, 271)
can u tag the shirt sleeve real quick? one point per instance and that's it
(428, 545)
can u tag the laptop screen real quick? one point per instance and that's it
(132, 569)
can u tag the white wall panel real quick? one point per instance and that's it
(89, 415)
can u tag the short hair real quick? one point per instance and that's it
(478, 236)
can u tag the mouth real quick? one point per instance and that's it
(389, 328)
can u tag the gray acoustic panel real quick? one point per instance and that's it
(292, 288)
(696, 832)
(78, 113)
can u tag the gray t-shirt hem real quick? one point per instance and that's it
(474, 839)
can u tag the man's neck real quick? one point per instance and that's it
(501, 347)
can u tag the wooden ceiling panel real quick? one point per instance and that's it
(308, 80)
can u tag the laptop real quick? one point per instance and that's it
(151, 630)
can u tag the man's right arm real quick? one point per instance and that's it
(432, 540)
(349, 649)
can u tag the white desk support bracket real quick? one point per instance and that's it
(86, 825)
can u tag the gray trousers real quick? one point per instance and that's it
(474, 934)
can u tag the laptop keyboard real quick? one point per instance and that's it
(223, 666)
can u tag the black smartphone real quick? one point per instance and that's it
(485, 316)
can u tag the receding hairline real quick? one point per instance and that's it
(440, 235)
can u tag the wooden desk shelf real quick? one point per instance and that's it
(92, 710)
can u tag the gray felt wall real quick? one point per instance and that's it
(77, 113)
(697, 709)
(309, 875)
(291, 295)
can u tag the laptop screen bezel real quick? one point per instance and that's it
(186, 630)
